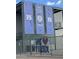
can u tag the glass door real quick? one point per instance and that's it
(33, 46)
(38, 45)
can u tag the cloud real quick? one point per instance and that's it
(59, 2)
(50, 3)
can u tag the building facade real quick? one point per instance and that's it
(39, 28)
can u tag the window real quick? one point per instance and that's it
(58, 21)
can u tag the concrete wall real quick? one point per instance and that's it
(59, 42)
(18, 31)
(18, 23)
(59, 39)
(59, 32)
(58, 21)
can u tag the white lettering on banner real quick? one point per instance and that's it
(28, 17)
(49, 19)
(39, 19)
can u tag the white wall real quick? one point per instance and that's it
(59, 32)
(59, 38)
(59, 42)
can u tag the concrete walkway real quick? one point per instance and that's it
(38, 57)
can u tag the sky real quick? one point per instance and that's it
(53, 3)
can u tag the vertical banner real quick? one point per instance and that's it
(28, 18)
(49, 20)
(39, 19)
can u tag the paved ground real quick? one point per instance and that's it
(39, 57)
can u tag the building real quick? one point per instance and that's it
(39, 28)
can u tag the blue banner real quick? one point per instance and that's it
(49, 20)
(28, 18)
(39, 19)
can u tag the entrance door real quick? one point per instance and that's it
(41, 47)
(33, 46)
(37, 46)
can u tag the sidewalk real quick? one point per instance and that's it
(38, 57)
